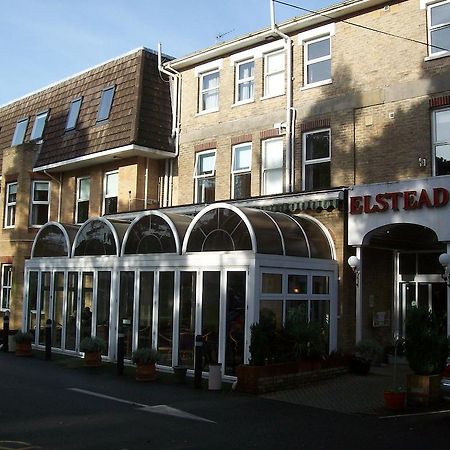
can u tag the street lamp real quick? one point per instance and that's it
(444, 260)
(355, 264)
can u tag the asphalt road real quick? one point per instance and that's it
(51, 406)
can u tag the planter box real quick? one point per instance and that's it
(395, 400)
(145, 372)
(23, 349)
(93, 359)
(423, 389)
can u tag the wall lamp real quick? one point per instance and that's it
(444, 260)
(355, 264)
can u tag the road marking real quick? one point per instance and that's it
(156, 409)
(25, 445)
(429, 413)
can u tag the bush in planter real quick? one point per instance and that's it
(23, 338)
(145, 355)
(366, 351)
(92, 345)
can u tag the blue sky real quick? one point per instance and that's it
(43, 41)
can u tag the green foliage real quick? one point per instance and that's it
(145, 355)
(368, 349)
(22, 338)
(426, 343)
(92, 344)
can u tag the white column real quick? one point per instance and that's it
(358, 300)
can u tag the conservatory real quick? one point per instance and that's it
(165, 278)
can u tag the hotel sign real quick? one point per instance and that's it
(423, 202)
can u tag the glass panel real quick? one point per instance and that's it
(297, 311)
(318, 49)
(440, 39)
(210, 100)
(245, 91)
(407, 264)
(206, 188)
(210, 317)
(96, 238)
(112, 183)
(40, 191)
(271, 311)
(210, 80)
(297, 284)
(273, 182)
(423, 296)
(246, 70)
(439, 302)
(74, 111)
(320, 315)
(205, 164)
(428, 263)
(319, 71)
(317, 176)
(126, 310)
(45, 305)
(242, 185)
(440, 14)
(234, 346)
(442, 159)
(82, 211)
(39, 215)
(103, 301)
(443, 125)
(87, 290)
(51, 242)
(275, 62)
(272, 283)
(165, 317)
(38, 127)
(267, 235)
(32, 302)
(188, 283)
(273, 154)
(110, 205)
(317, 145)
(145, 309)
(58, 303)
(320, 284)
(242, 157)
(71, 318)
(105, 104)
(19, 132)
(318, 242)
(274, 84)
(84, 188)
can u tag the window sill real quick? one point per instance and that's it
(9, 227)
(267, 97)
(207, 111)
(313, 85)
(438, 56)
(244, 102)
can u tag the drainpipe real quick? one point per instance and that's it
(290, 111)
(59, 191)
(146, 184)
(175, 86)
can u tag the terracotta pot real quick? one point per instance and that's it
(145, 372)
(395, 400)
(23, 349)
(93, 359)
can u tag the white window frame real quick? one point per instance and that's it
(208, 174)
(268, 74)
(265, 170)
(19, 139)
(6, 288)
(438, 52)
(80, 199)
(435, 143)
(317, 160)
(202, 91)
(39, 202)
(307, 63)
(36, 134)
(239, 81)
(10, 219)
(105, 195)
(234, 171)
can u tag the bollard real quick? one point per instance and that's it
(120, 352)
(198, 362)
(48, 340)
(5, 331)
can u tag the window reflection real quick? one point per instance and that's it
(165, 317)
(95, 238)
(50, 242)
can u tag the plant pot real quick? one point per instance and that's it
(180, 374)
(93, 359)
(395, 400)
(423, 389)
(360, 366)
(145, 372)
(23, 348)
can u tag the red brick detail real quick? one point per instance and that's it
(241, 139)
(39, 176)
(273, 132)
(205, 146)
(11, 178)
(6, 259)
(440, 101)
(315, 124)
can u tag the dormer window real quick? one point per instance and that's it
(74, 112)
(19, 133)
(39, 126)
(105, 104)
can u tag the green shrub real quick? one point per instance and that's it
(92, 344)
(426, 343)
(145, 355)
(368, 349)
(21, 338)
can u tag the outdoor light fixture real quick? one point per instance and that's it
(444, 260)
(355, 264)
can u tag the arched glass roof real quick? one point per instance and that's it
(54, 240)
(224, 227)
(99, 236)
(155, 232)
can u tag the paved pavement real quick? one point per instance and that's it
(348, 393)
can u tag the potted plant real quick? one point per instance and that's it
(366, 351)
(23, 343)
(427, 349)
(93, 347)
(145, 359)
